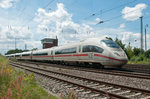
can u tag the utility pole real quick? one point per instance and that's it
(141, 32)
(145, 37)
(25, 46)
(15, 44)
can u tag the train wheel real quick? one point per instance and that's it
(86, 64)
(98, 65)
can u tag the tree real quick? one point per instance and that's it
(129, 51)
(147, 53)
(34, 49)
(109, 38)
(14, 51)
(136, 51)
(119, 42)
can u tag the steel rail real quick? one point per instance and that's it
(117, 73)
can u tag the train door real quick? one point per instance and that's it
(78, 53)
(91, 49)
(90, 55)
(109, 61)
(106, 60)
(52, 55)
(87, 52)
(31, 55)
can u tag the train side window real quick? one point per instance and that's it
(17, 55)
(40, 54)
(86, 48)
(98, 49)
(26, 55)
(57, 52)
(91, 48)
(66, 51)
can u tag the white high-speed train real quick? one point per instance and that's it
(104, 52)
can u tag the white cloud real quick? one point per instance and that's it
(59, 23)
(97, 19)
(133, 13)
(93, 22)
(7, 3)
(8, 35)
(122, 25)
(133, 38)
(12, 32)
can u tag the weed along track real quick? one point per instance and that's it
(86, 88)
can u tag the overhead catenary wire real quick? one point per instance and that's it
(115, 17)
(30, 20)
(108, 10)
(145, 17)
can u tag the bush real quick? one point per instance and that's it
(147, 54)
(129, 52)
(134, 58)
(141, 59)
(136, 51)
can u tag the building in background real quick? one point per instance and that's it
(49, 42)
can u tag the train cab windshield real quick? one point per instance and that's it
(110, 43)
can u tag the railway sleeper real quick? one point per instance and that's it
(95, 95)
(147, 97)
(79, 90)
(113, 90)
(106, 88)
(93, 85)
(124, 92)
(133, 95)
(86, 92)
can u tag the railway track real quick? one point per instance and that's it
(102, 90)
(103, 71)
(138, 67)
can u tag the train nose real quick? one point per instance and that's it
(120, 54)
(123, 61)
(121, 58)
(119, 62)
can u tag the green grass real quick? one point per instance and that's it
(141, 59)
(139, 62)
(15, 84)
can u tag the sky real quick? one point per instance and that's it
(29, 21)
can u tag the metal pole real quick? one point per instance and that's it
(145, 37)
(15, 43)
(141, 32)
(25, 46)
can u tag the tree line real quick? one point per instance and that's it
(135, 55)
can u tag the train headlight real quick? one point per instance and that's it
(116, 54)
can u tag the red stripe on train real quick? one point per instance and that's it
(80, 55)
(64, 55)
(98, 55)
(42, 56)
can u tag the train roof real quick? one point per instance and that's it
(29, 52)
(42, 50)
(92, 40)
